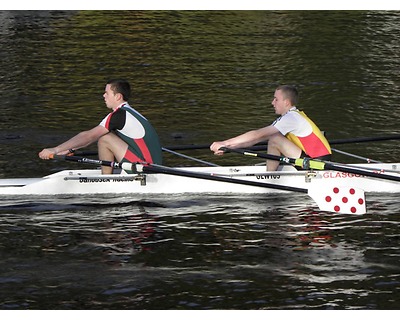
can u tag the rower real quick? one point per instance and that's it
(123, 135)
(293, 134)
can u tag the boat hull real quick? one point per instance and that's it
(75, 182)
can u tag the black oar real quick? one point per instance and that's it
(307, 163)
(105, 163)
(259, 146)
(94, 153)
(262, 146)
(327, 200)
(153, 168)
(365, 139)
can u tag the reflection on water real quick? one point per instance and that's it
(194, 253)
(198, 76)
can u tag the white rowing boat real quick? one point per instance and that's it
(337, 188)
(88, 181)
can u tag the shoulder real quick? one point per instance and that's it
(114, 120)
(289, 122)
(292, 117)
(118, 118)
(133, 112)
(118, 112)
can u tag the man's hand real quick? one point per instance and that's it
(46, 154)
(216, 146)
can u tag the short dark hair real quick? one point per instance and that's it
(290, 93)
(120, 86)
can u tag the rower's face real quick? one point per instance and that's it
(279, 102)
(110, 98)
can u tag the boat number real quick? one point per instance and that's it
(268, 177)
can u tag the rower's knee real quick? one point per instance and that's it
(104, 141)
(275, 141)
(111, 146)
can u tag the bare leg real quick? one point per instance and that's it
(278, 145)
(111, 147)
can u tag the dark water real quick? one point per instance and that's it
(198, 76)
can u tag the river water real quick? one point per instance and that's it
(199, 76)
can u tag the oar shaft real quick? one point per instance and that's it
(365, 139)
(105, 163)
(315, 164)
(262, 146)
(93, 153)
(314, 192)
(355, 156)
(154, 168)
(190, 158)
(189, 147)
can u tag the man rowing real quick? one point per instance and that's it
(123, 135)
(293, 134)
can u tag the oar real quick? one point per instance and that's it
(327, 200)
(365, 139)
(189, 147)
(259, 146)
(307, 163)
(190, 158)
(94, 153)
(262, 146)
(144, 167)
(355, 156)
(105, 163)
(339, 199)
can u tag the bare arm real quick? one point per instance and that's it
(81, 140)
(244, 140)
